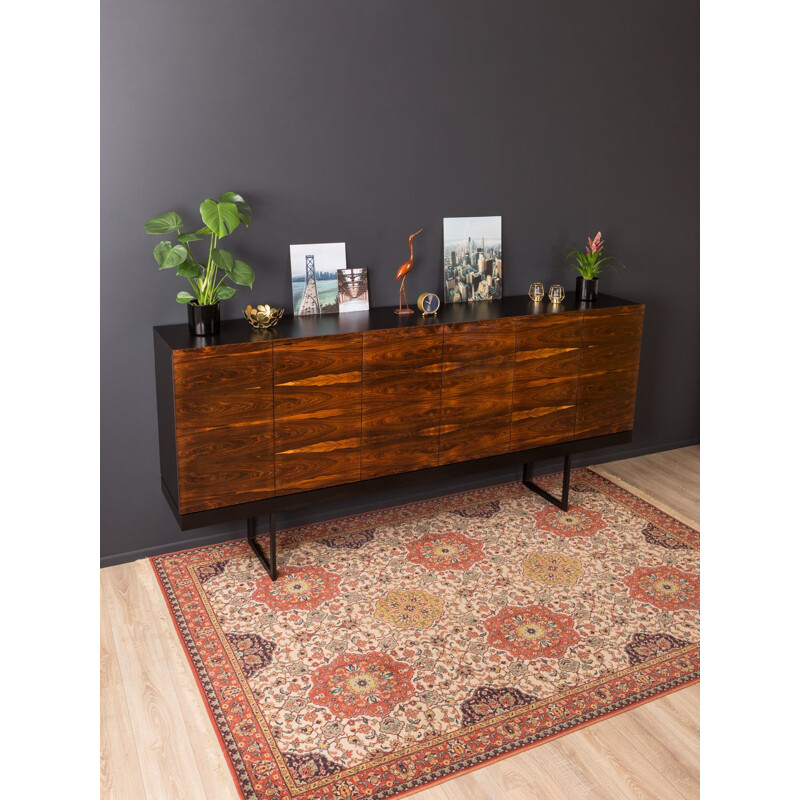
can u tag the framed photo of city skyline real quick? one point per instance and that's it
(315, 284)
(473, 259)
(353, 290)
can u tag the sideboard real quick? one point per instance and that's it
(328, 406)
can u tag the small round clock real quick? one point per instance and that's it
(428, 303)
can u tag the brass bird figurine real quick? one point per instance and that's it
(402, 272)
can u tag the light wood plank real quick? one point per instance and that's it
(584, 767)
(681, 711)
(669, 480)
(634, 776)
(481, 784)
(520, 782)
(211, 763)
(167, 763)
(662, 748)
(438, 792)
(692, 693)
(551, 761)
(120, 777)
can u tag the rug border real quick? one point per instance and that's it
(525, 747)
(648, 500)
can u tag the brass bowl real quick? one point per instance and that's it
(262, 317)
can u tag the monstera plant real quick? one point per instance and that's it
(210, 280)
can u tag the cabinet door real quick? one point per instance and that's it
(609, 370)
(546, 363)
(223, 425)
(477, 379)
(317, 412)
(401, 400)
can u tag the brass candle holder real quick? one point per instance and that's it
(556, 294)
(536, 292)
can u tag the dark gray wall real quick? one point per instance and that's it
(363, 120)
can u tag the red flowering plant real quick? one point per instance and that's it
(591, 262)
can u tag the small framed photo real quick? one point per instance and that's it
(353, 289)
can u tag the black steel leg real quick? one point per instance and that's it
(270, 564)
(564, 501)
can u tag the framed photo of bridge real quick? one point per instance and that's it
(315, 283)
(353, 290)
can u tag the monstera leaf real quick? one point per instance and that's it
(237, 271)
(225, 292)
(168, 256)
(189, 269)
(166, 223)
(189, 237)
(223, 259)
(220, 218)
(245, 213)
(184, 298)
(242, 274)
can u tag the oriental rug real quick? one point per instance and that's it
(401, 647)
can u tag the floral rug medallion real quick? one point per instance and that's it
(401, 647)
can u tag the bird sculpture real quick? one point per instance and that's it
(402, 272)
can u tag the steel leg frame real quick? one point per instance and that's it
(563, 503)
(270, 564)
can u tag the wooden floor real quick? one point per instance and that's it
(157, 741)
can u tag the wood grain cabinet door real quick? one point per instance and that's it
(223, 425)
(477, 380)
(401, 400)
(546, 364)
(317, 412)
(609, 370)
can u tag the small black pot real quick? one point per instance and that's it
(586, 290)
(203, 320)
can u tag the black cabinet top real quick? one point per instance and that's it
(177, 337)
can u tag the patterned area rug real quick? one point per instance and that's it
(400, 647)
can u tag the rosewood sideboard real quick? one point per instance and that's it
(322, 407)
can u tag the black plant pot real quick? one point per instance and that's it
(203, 320)
(586, 290)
